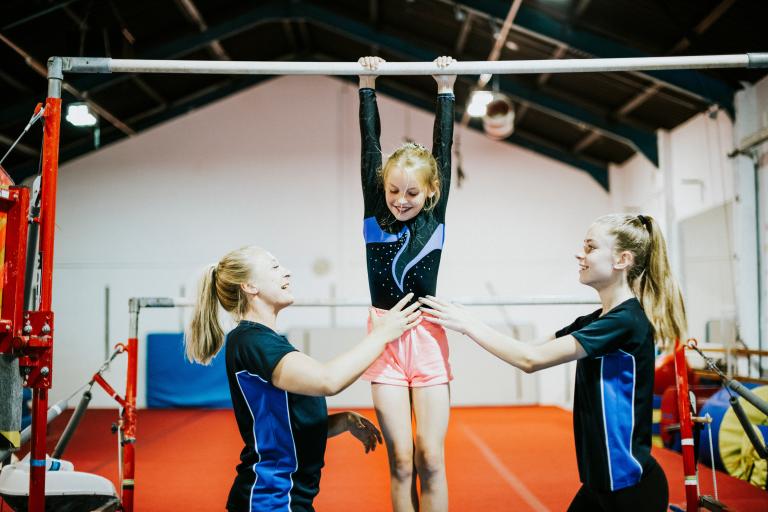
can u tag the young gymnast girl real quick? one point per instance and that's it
(404, 225)
(278, 392)
(625, 259)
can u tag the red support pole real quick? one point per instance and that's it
(37, 458)
(686, 430)
(48, 203)
(50, 167)
(128, 471)
(98, 379)
(129, 426)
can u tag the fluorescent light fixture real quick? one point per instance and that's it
(478, 103)
(78, 114)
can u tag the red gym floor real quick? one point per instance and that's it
(511, 458)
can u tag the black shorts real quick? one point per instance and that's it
(651, 494)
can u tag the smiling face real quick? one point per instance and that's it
(405, 194)
(411, 181)
(270, 282)
(599, 266)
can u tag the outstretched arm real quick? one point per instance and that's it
(298, 373)
(370, 134)
(529, 358)
(442, 134)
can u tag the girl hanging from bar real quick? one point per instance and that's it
(404, 222)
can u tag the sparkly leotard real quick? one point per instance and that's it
(402, 257)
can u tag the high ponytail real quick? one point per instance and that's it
(205, 335)
(658, 290)
(220, 285)
(650, 277)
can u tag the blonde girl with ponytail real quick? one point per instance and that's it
(624, 259)
(278, 393)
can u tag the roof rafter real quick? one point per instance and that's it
(643, 140)
(534, 21)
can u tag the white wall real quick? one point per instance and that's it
(695, 156)
(638, 187)
(750, 241)
(694, 179)
(277, 165)
(706, 246)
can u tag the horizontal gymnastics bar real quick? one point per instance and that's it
(108, 65)
(179, 302)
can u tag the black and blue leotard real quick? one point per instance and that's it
(402, 257)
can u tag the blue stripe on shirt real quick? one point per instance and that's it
(273, 442)
(617, 382)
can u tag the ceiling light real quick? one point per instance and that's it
(499, 117)
(78, 114)
(478, 103)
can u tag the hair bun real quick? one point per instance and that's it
(414, 145)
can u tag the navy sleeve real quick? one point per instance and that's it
(262, 354)
(370, 148)
(606, 334)
(442, 142)
(578, 324)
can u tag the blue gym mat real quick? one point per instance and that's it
(172, 381)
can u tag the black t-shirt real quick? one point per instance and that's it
(613, 402)
(284, 433)
(402, 257)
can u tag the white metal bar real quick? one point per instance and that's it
(179, 302)
(106, 65)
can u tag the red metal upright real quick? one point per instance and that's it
(43, 318)
(48, 197)
(128, 421)
(686, 430)
(129, 427)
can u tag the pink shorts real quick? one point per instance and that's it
(418, 358)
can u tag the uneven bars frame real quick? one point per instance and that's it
(108, 65)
